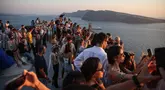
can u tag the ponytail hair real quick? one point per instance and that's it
(67, 48)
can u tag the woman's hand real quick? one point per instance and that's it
(152, 66)
(31, 80)
(148, 67)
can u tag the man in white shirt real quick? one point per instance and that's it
(95, 51)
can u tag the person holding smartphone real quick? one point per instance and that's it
(28, 79)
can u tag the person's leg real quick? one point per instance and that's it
(55, 77)
(16, 59)
(44, 42)
(62, 67)
(10, 53)
(17, 55)
(34, 41)
(26, 54)
(32, 46)
(29, 47)
(54, 72)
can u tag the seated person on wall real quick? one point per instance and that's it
(23, 49)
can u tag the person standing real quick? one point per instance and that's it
(96, 51)
(68, 50)
(7, 28)
(30, 41)
(22, 29)
(1, 25)
(44, 38)
(37, 21)
(41, 66)
(55, 62)
(58, 34)
(7, 24)
(100, 43)
(32, 23)
(3, 40)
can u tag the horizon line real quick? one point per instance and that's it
(82, 10)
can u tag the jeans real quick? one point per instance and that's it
(68, 67)
(29, 57)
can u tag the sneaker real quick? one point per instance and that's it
(18, 65)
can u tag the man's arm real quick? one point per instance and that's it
(79, 61)
(43, 73)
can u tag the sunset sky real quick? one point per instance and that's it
(151, 8)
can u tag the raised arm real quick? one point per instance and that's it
(130, 84)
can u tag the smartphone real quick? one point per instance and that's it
(15, 82)
(149, 51)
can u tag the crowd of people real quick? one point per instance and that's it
(89, 60)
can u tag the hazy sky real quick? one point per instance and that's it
(151, 8)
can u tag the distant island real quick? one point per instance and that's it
(112, 16)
